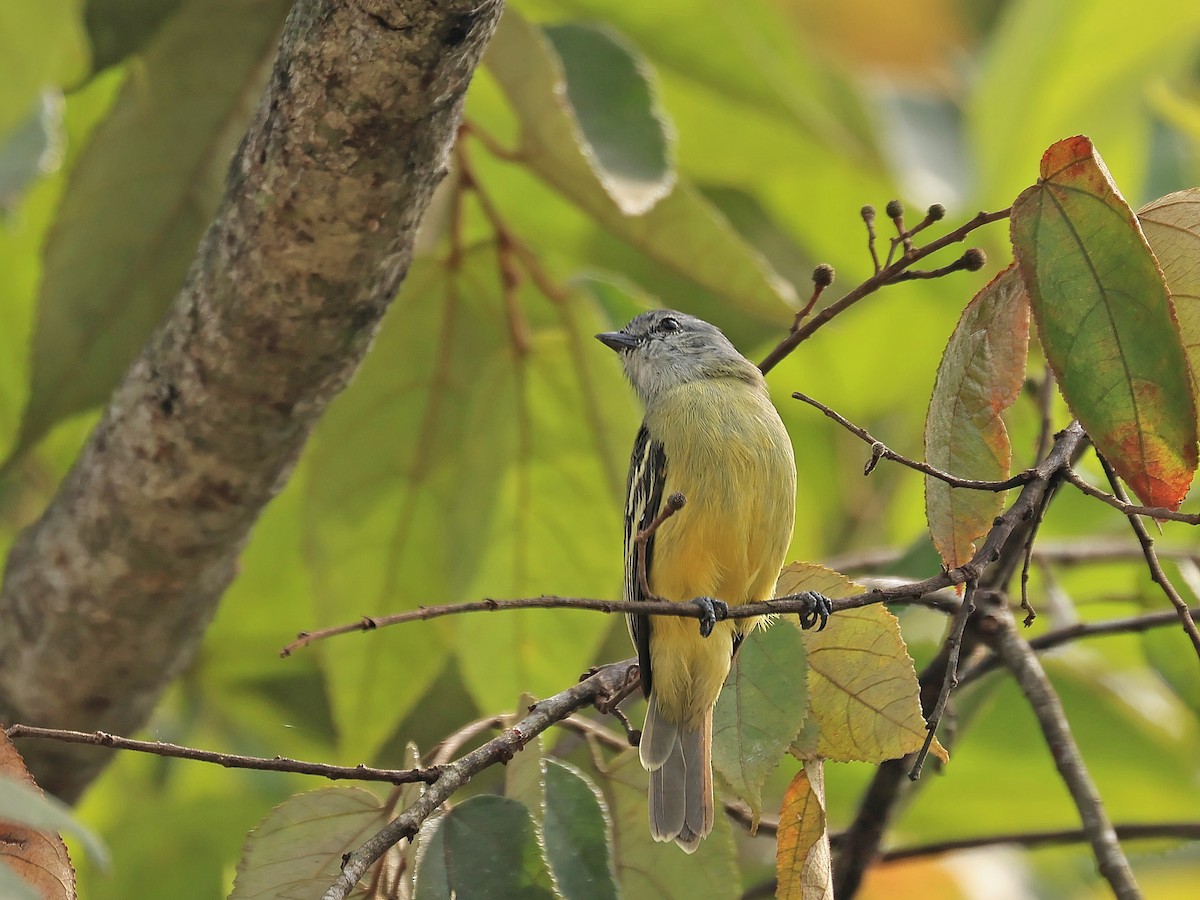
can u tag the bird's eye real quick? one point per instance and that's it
(669, 325)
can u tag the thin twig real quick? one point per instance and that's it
(1045, 405)
(1039, 517)
(1184, 831)
(456, 774)
(1079, 631)
(950, 682)
(868, 217)
(1022, 509)
(1060, 553)
(992, 566)
(228, 760)
(490, 143)
(1131, 509)
(879, 450)
(1156, 570)
(1030, 840)
(1023, 663)
(971, 261)
(881, 278)
(444, 752)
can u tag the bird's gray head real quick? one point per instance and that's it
(662, 348)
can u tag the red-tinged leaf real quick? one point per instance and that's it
(802, 860)
(33, 858)
(979, 377)
(1172, 226)
(1105, 320)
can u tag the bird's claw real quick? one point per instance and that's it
(712, 611)
(820, 608)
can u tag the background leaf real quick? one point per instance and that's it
(760, 710)
(40, 44)
(139, 200)
(296, 851)
(530, 74)
(862, 688)
(1172, 227)
(1105, 321)
(652, 871)
(576, 834)
(979, 377)
(802, 863)
(484, 847)
(623, 133)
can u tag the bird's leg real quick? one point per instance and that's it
(820, 608)
(712, 611)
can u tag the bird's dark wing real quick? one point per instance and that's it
(643, 499)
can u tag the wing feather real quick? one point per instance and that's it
(643, 500)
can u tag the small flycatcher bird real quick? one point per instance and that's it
(711, 434)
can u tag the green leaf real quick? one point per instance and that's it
(484, 847)
(296, 851)
(394, 517)
(1172, 226)
(647, 870)
(1081, 66)
(623, 132)
(551, 417)
(760, 56)
(454, 468)
(1161, 646)
(31, 149)
(139, 199)
(760, 711)
(576, 834)
(525, 773)
(1105, 321)
(22, 238)
(979, 377)
(118, 28)
(42, 45)
(683, 232)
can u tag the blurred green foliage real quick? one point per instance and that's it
(481, 452)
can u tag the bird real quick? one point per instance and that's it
(709, 512)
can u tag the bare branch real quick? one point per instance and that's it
(1184, 831)
(992, 567)
(1156, 570)
(1080, 631)
(1131, 509)
(880, 451)
(953, 646)
(1023, 663)
(106, 596)
(228, 760)
(606, 681)
(1022, 510)
(881, 278)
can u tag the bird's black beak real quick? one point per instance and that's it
(617, 340)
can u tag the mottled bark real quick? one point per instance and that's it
(106, 597)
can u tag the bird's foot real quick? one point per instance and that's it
(712, 611)
(820, 608)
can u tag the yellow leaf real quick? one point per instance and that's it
(862, 688)
(802, 862)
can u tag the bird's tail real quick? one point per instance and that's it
(681, 791)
